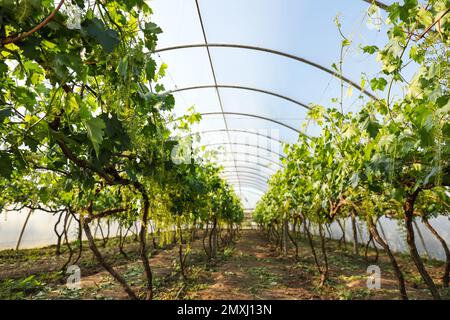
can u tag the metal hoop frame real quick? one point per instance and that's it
(244, 145)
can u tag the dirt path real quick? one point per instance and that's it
(255, 271)
(252, 269)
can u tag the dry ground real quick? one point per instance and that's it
(251, 269)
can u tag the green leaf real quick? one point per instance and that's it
(151, 31)
(25, 97)
(71, 103)
(162, 71)
(424, 117)
(169, 102)
(346, 43)
(416, 54)
(370, 49)
(84, 112)
(443, 104)
(378, 84)
(432, 173)
(372, 127)
(159, 88)
(6, 167)
(425, 17)
(131, 172)
(122, 68)
(3, 68)
(5, 113)
(62, 62)
(108, 38)
(44, 195)
(317, 113)
(90, 14)
(116, 134)
(150, 69)
(95, 128)
(369, 123)
(151, 27)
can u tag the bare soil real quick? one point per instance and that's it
(251, 269)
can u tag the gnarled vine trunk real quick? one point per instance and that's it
(408, 208)
(355, 235)
(446, 276)
(121, 280)
(322, 271)
(143, 247)
(181, 256)
(213, 239)
(205, 235)
(325, 270)
(285, 231)
(294, 241)
(398, 273)
(342, 238)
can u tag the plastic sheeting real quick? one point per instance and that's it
(39, 232)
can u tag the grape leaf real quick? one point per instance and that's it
(95, 128)
(5, 165)
(108, 38)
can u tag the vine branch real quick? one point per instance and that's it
(19, 37)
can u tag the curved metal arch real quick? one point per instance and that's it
(231, 179)
(242, 144)
(254, 163)
(269, 162)
(249, 177)
(241, 179)
(243, 170)
(252, 189)
(245, 173)
(253, 116)
(271, 51)
(236, 130)
(249, 154)
(244, 195)
(246, 115)
(248, 168)
(240, 174)
(262, 187)
(228, 86)
(255, 187)
(249, 181)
